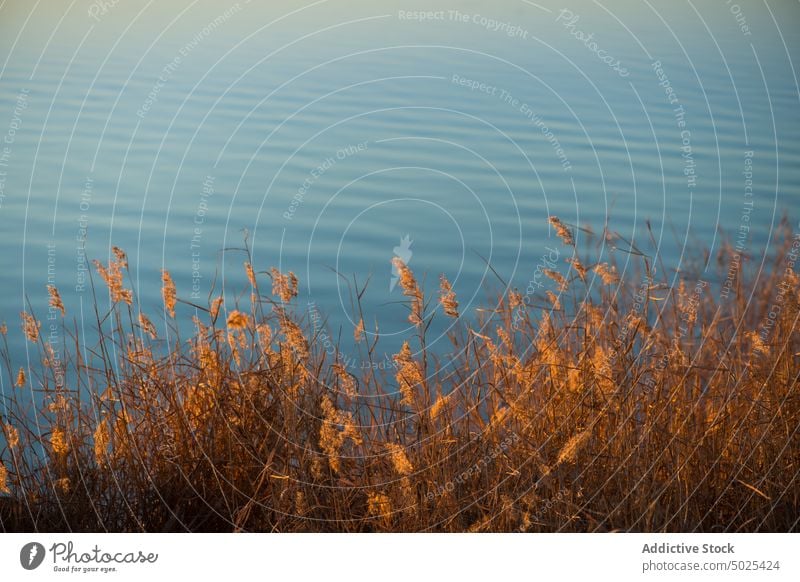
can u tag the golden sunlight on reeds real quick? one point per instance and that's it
(611, 400)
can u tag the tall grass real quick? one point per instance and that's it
(635, 402)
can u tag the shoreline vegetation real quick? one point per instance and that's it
(611, 402)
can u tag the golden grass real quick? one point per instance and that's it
(612, 401)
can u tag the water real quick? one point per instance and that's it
(330, 131)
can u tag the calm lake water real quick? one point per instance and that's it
(340, 134)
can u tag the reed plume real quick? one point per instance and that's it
(147, 326)
(409, 375)
(4, 479)
(58, 441)
(410, 289)
(447, 298)
(562, 231)
(238, 320)
(399, 459)
(12, 436)
(168, 292)
(55, 299)
(113, 278)
(284, 285)
(30, 327)
(251, 274)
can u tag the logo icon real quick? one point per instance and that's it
(31, 555)
(404, 253)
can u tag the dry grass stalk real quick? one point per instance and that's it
(409, 376)
(447, 298)
(399, 459)
(168, 292)
(147, 326)
(358, 332)
(562, 231)
(284, 286)
(113, 278)
(410, 289)
(4, 479)
(30, 327)
(12, 436)
(251, 274)
(55, 299)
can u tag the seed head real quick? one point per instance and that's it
(399, 459)
(112, 276)
(251, 275)
(284, 286)
(573, 446)
(558, 278)
(358, 332)
(408, 374)
(58, 441)
(122, 258)
(30, 327)
(238, 320)
(168, 292)
(346, 381)
(607, 273)
(447, 297)
(55, 299)
(102, 436)
(380, 505)
(410, 289)
(12, 436)
(562, 231)
(215, 305)
(4, 479)
(147, 326)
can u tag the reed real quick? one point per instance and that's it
(613, 400)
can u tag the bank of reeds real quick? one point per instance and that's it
(617, 400)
